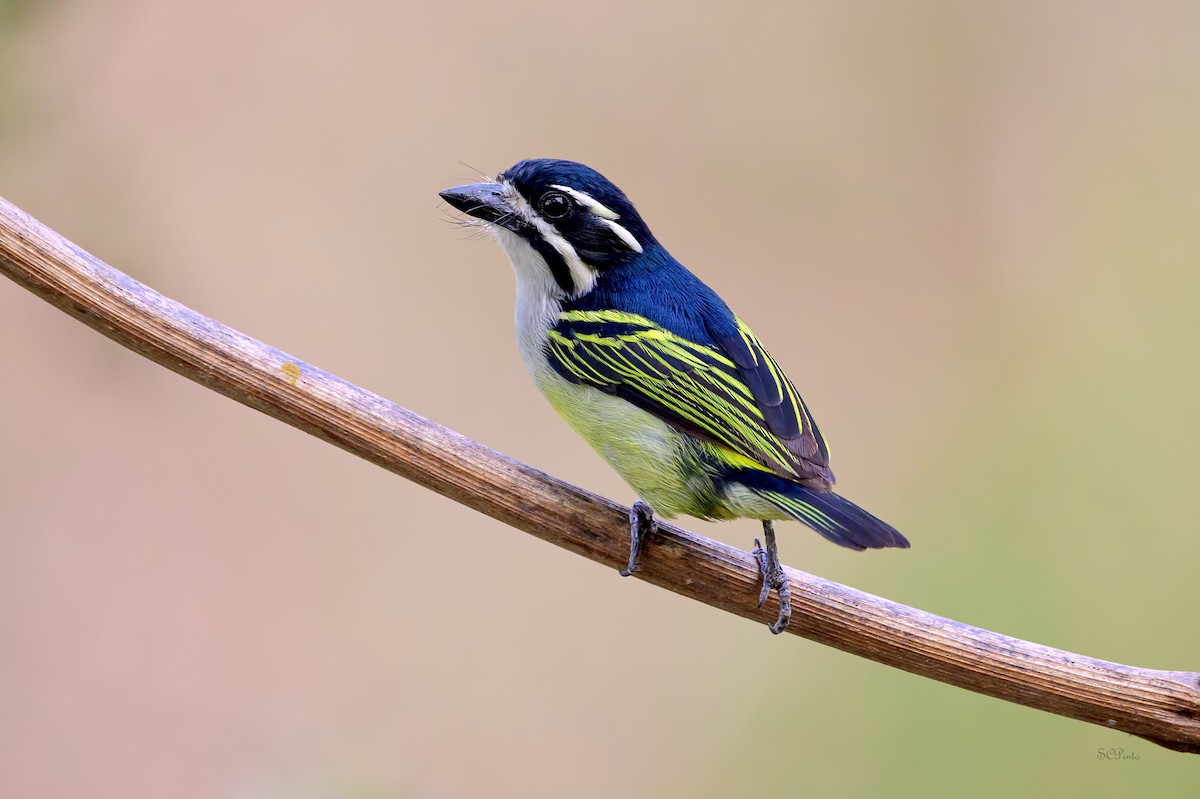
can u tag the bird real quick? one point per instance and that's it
(653, 370)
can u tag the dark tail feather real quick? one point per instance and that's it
(835, 517)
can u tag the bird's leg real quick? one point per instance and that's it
(641, 527)
(773, 577)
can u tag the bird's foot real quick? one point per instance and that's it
(641, 527)
(773, 577)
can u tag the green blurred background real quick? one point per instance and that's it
(969, 232)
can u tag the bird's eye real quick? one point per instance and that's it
(554, 205)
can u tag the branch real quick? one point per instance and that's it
(1160, 706)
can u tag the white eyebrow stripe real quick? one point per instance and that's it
(583, 276)
(624, 235)
(586, 200)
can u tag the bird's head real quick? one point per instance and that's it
(558, 217)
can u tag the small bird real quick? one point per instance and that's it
(651, 367)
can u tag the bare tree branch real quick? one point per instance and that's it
(1160, 706)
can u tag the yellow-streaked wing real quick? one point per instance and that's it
(733, 393)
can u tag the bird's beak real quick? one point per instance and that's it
(486, 201)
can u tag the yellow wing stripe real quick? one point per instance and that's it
(746, 401)
(737, 385)
(605, 316)
(677, 374)
(584, 366)
(737, 460)
(748, 337)
(688, 393)
(802, 511)
(782, 384)
(652, 332)
(707, 352)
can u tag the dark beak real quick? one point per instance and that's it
(484, 201)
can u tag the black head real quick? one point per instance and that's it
(573, 216)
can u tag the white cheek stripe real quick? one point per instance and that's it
(589, 202)
(624, 235)
(583, 277)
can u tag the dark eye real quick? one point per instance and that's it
(554, 205)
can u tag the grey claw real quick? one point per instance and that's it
(760, 555)
(641, 527)
(773, 577)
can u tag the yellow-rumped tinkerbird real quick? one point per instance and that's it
(651, 367)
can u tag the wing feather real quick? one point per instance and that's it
(732, 394)
(784, 411)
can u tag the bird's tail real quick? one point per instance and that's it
(833, 516)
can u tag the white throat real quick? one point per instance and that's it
(539, 298)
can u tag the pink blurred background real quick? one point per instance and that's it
(968, 231)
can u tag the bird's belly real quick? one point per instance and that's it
(661, 464)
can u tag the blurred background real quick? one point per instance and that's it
(969, 232)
